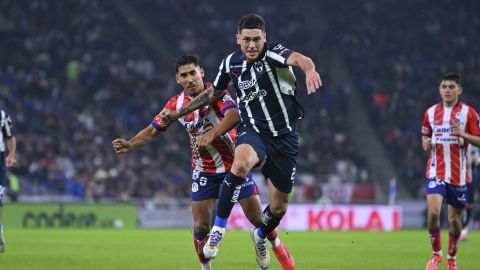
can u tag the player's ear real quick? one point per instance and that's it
(460, 90)
(202, 72)
(177, 78)
(264, 36)
(238, 38)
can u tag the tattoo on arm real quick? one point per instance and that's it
(208, 96)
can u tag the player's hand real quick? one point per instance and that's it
(121, 146)
(313, 81)
(170, 115)
(456, 131)
(427, 144)
(205, 139)
(11, 160)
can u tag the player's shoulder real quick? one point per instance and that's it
(432, 108)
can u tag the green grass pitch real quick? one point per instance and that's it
(173, 249)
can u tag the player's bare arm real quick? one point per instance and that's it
(472, 139)
(230, 120)
(312, 78)
(427, 143)
(208, 96)
(12, 146)
(143, 137)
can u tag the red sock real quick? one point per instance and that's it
(272, 236)
(435, 239)
(198, 247)
(452, 244)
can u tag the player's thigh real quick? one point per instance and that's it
(245, 158)
(434, 203)
(202, 212)
(249, 149)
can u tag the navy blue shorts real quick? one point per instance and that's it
(207, 186)
(277, 154)
(456, 196)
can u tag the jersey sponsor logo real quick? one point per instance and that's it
(193, 126)
(443, 130)
(253, 95)
(244, 85)
(194, 187)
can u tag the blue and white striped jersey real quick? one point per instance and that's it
(265, 89)
(6, 129)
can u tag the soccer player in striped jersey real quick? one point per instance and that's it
(212, 139)
(266, 93)
(8, 144)
(473, 158)
(448, 129)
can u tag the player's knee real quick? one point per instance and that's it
(433, 217)
(240, 168)
(279, 210)
(455, 222)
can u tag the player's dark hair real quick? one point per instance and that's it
(452, 77)
(251, 21)
(185, 60)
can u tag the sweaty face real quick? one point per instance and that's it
(251, 42)
(190, 77)
(450, 90)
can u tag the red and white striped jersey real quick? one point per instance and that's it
(217, 157)
(448, 157)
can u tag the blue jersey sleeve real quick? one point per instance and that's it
(223, 77)
(277, 55)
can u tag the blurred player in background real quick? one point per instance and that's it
(212, 139)
(474, 170)
(8, 144)
(448, 129)
(263, 78)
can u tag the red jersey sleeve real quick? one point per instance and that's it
(426, 127)
(156, 122)
(473, 125)
(225, 103)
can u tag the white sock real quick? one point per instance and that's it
(439, 253)
(451, 257)
(275, 243)
(206, 266)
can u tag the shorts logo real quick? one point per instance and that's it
(195, 174)
(432, 184)
(194, 187)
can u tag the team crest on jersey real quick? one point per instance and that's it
(194, 187)
(258, 67)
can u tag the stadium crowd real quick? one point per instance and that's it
(397, 52)
(76, 75)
